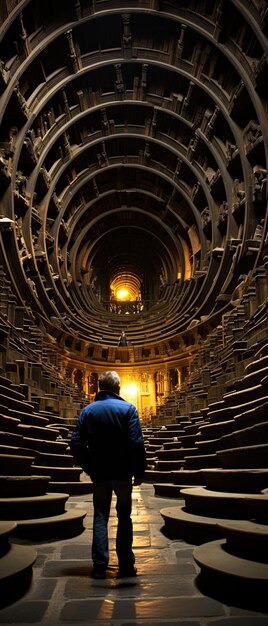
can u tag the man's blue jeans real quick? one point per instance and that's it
(102, 497)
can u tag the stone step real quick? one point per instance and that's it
(152, 448)
(50, 416)
(16, 563)
(65, 440)
(192, 429)
(174, 428)
(235, 397)
(169, 490)
(209, 446)
(26, 417)
(45, 459)
(171, 445)
(27, 507)
(236, 480)
(202, 501)
(12, 440)
(9, 424)
(62, 430)
(152, 476)
(252, 416)
(37, 432)
(17, 450)
(11, 486)
(163, 433)
(246, 457)
(152, 444)
(15, 465)
(215, 556)
(73, 488)
(182, 524)
(202, 461)
(42, 445)
(247, 539)
(216, 430)
(256, 365)
(237, 578)
(182, 418)
(254, 434)
(174, 455)
(151, 456)
(169, 465)
(189, 441)
(10, 392)
(188, 477)
(10, 402)
(58, 473)
(62, 525)
(5, 382)
(229, 412)
(252, 378)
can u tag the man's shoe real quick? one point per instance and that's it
(99, 572)
(128, 572)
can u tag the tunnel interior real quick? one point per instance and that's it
(133, 168)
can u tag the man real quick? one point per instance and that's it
(122, 339)
(108, 444)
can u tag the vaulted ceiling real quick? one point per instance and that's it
(133, 144)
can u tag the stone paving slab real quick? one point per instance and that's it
(24, 612)
(81, 587)
(138, 609)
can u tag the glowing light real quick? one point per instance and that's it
(125, 287)
(129, 392)
(131, 389)
(122, 294)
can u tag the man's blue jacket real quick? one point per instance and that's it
(107, 441)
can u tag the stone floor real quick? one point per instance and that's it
(165, 591)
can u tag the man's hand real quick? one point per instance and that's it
(137, 481)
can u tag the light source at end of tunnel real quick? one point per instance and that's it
(122, 294)
(125, 287)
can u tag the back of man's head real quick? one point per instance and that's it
(109, 381)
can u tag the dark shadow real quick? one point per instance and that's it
(194, 536)
(248, 595)
(15, 590)
(33, 537)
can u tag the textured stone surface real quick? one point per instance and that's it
(165, 592)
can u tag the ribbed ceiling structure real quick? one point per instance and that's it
(133, 143)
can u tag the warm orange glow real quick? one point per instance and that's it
(125, 287)
(122, 294)
(131, 389)
(129, 392)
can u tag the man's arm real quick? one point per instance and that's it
(137, 448)
(79, 444)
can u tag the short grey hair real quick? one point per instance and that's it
(109, 380)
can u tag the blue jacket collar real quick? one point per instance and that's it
(104, 394)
